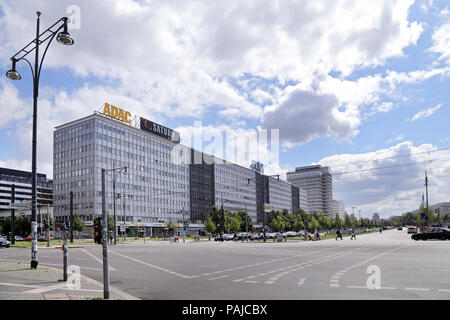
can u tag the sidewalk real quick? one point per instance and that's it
(19, 282)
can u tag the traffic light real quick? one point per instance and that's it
(98, 230)
(45, 224)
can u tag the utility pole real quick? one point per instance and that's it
(65, 253)
(48, 225)
(13, 214)
(124, 220)
(71, 217)
(184, 228)
(114, 209)
(105, 241)
(353, 211)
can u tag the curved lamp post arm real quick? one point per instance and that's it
(38, 74)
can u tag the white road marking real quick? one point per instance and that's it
(147, 264)
(18, 285)
(357, 287)
(444, 290)
(98, 260)
(418, 289)
(269, 282)
(251, 281)
(220, 277)
(302, 280)
(46, 289)
(238, 280)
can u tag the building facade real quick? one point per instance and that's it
(338, 207)
(22, 186)
(165, 181)
(318, 183)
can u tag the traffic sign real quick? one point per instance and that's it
(267, 207)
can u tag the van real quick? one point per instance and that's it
(412, 230)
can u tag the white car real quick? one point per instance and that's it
(412, 230)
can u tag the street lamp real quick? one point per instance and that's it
(49, 34)
(115, 173)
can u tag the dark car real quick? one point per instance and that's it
(400, 228)
(433, 233)
(255, 236)
(4, 242)
(218, 238)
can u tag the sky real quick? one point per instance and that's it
(359, 86)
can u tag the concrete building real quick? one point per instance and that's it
(441, 209)
(317, 181)
(22, 184)
(165, 180)
(303, 199)
(339, 208)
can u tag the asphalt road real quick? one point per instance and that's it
(375, 266)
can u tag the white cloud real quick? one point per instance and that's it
(441, 42)
(394, 189)
(425, 113)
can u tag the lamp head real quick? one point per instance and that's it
(64, 36)
(12, 73)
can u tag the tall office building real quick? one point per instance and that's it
(317, 181)
(165, 180)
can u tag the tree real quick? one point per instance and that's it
(298, 223)
(210, 226)
(347, 221)
(6, 225)
(337, 221)
(235, 225)
(78, 223)
(278, 223)
(216, 217)
(171, 227)
(313, 224)
(243, 215)
(110, 221)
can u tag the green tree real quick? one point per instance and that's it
(347, 221)
(337, 221)
(313, 224)
(216, 217)
(110, 221)
(6, 225)
(171, 227)
(242, 216)
(78, 223)
(298, 223)
(210, 226)
(278, 223)
(235, 225)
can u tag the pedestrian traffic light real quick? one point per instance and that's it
(98, 230)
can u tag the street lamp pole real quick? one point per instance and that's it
(64, 38)
(116, 172)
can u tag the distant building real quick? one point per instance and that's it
(318, 183)
(441, 208)
(303, 199)
(339, 208)
(375, 217)
(22, 184)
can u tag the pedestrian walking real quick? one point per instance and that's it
(339, 234)
(381, 229)
(353, 234)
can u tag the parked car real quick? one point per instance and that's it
(28, 238)
(218, 238)
(256, 236)
(433, 233)
(4, 242)
(400, 228)
(271, 235)
(228, 237)
(19, 238)
(412, 230)
(288, 234)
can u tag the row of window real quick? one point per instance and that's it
(77, 139)
(74, 151)
(78, 128)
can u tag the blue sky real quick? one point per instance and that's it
(344, 83)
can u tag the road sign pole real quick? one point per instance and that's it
(71, 216)
(105, 241)
(13, 215)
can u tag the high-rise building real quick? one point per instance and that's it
(317, 181)
(165, 180)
